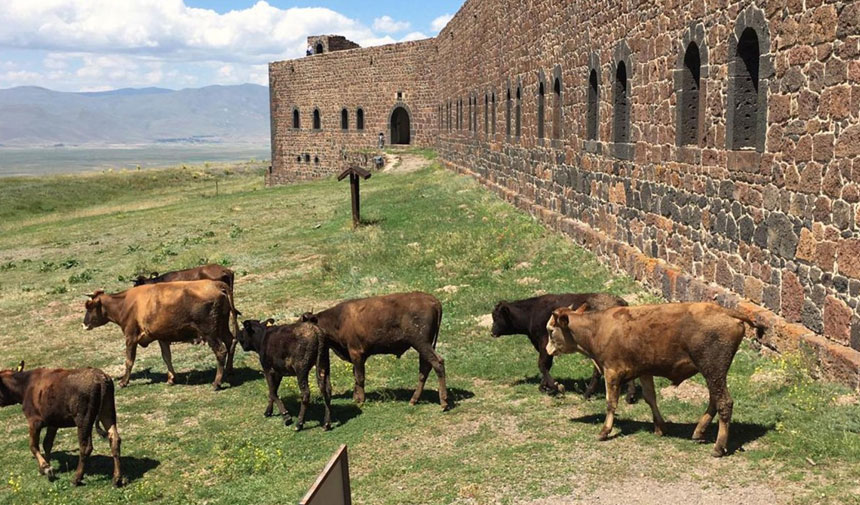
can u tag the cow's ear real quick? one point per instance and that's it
(582, 308)
(20, 366)
(269, 322)
(561, 320)
(310, 318)
(153, 275)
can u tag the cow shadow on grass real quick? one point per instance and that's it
(578, 386)
(133, 468)
(236, 378)
(455, 395)
(340, 413)
(740, 434)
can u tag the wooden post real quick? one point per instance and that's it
(355, 175)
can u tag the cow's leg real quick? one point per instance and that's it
(35, 433)
(85, 440)
(651, 399)
(273, 379)
(358, 371)
(168, 360)
(302, 379)
(220, 351)
(324, 383)
(613, 391)
(592, 384)
(548, 384)
(107, 417)
(631, 392)
(724, 408)
(130, 354)
(426, 352)
(705, 420)
(48, 443)
(424, 368)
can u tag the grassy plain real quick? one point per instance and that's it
(793, 439)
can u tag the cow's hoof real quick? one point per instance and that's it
(288, 421)
(560, 388)
(658, 432)
(299, 427)
(77, 483)
(118, 483)
(267, 413)
(718, 452)
(413, 402)
(699, 440)
(122, 384)
(327, 427)
(630, 400)
(603, 436)
(47, 472)
(216, 387)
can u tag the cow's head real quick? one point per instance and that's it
(308, 317)
(142, 279)
(7, 397)
(95, 315)
(501, 319)
(252, 333)
(561, 337)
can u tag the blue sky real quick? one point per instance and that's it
(90, 45)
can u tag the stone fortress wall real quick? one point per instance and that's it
(711, 150)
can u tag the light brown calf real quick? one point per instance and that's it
(675, 341)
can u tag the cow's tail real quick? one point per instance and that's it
(438, 326)
(106, 408)
(759, 328)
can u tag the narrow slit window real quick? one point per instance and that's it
(518, 123)
(317, 121)
(344, 119)
(621, 118)
(556, 109)
(359, 119)
(296, 119)
(746, 83)
(593, 97)
(541, 105)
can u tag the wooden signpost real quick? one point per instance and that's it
(355, 175)
(332, 486)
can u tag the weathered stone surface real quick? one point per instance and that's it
(837, 320)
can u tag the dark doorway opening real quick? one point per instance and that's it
(319, 48)
(400, 133)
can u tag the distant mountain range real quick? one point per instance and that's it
(33, 116)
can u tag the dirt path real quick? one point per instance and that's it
(404, 163)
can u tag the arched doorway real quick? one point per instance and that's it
(319, 48)
(400, 127)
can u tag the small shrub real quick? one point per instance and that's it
(70, 263)
(82, 277)
(47, 266)
(58, 290)
(5, 267)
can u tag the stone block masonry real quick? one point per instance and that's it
(710, 149)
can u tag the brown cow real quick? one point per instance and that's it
(62, 398)
(390, 324)
(675, 341)
(167, 312)
(212, 272)
(529, 317)
(290, 350)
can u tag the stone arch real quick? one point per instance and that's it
(621, 102)
(691, 72)
(593, 99)
(400, 124)
(750, 70)
(317, 119)
(556, 103)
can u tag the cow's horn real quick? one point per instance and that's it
(21, 366)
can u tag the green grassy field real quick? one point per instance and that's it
(793, 440)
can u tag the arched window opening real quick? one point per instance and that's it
(296, 119)
(317, 121)
(486, 114)
(508, 114)
(621, 118)
(299, 158)
(518, 122)
(344, 119)
(317, 160)
(556, 109)
(688, 99)
(493, 113)
(746, 84)
(593, 96)
(319, 49)
(307, 158)
(540, 110)
(359, 119)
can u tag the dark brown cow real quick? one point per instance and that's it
(290, 350)
(212, 272)
(390, 324)
(675, 341)
(167, 312)
(60, 398)
(528, 317)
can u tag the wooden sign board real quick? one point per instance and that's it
(332, 486)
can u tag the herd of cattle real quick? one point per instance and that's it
(675, 341)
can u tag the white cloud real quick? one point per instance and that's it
(413, 36)
(386, 24)
(94, 44)
(437, 24)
